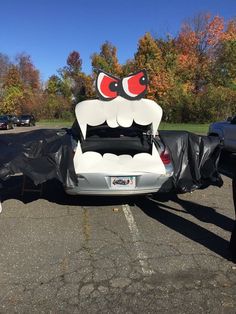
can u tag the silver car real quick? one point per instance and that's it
(124, 144)
(226, 131)
(117, 149)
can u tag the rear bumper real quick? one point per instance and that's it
(100, 184)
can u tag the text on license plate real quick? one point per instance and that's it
(123, 182)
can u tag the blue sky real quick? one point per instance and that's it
(48, 30)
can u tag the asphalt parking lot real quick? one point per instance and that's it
(156, 254)
(63, 254)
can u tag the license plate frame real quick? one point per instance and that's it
(123, 182)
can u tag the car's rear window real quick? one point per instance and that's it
(25, 117)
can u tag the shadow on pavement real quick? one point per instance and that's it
(201, 212)
(153, 207)
(157, 210)
(53, 192)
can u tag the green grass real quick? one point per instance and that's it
(191, 127)
(56, 123)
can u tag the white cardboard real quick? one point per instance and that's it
(118, 112)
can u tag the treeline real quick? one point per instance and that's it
(192, 76)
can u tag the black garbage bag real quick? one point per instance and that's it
(41, 155)
(195, 160)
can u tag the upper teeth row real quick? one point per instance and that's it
(118, 112)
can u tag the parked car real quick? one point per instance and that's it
(5, 123)
(117, 148)
(26, 120)
(120, 161)
(15, 120)
(226, 131)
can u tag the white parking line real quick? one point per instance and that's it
(0, 206)
(142, 256)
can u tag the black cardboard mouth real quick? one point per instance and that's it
(119, 141)
(104, 131)
(118, 146)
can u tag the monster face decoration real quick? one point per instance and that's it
(120, 106)
(132, 87)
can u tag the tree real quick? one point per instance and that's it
(149, 56)
(129, 67)
(224, 69)
(54, 104)
(75, 85)
(31, 84)
(197, 42)
(74, 65)
(53, 85)
(28, 73)
(4, 67)
(13, 92)
(107, 60)
(230, 32)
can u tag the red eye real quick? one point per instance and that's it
(107, 86)
(135, 85)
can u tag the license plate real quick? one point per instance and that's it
(122, 182)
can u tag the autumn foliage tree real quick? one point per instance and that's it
(196, 44)
(13, 92)
(20, 86)
(4, 67)
(80, 84)
(106, 60)
(54, 104)
(200, 45)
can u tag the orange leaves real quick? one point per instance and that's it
(160, 84)
(149, 56)
(214, 31)
(187, 61)
(230, 33)
(201, 35)
(187, 39)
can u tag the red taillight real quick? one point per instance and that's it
(165, 157)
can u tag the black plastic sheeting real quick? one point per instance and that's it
(41, 155)
(47, 154)
(195, 160)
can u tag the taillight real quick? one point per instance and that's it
(165, 157)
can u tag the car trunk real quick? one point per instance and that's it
(130, 141)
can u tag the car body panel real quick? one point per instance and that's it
(100, 184)
(226, 130)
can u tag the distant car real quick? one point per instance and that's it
(226, 131)
(15, 120)
(5, 123)
(26, 120)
